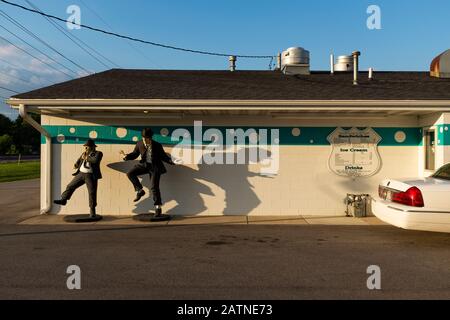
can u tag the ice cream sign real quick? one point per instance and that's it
(354, 152)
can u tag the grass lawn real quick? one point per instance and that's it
(22, 171)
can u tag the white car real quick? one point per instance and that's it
(416, 204)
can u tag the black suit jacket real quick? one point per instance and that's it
(94, 158)
(158, 155)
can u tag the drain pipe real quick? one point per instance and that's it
(48, 156)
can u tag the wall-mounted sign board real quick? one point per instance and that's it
(354, 152)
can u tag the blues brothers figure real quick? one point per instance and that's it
(87, 172)
(151, 163)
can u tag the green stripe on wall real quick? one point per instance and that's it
(308, 135)
(443, 135)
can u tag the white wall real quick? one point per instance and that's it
(304, 184)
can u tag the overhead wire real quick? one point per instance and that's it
(17, 67)
(130, 44)
(15, 77)
(40, 51)
(74, 39)
(137, 39)
(29, 32)
(7, 89)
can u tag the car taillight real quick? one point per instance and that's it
(411, 197)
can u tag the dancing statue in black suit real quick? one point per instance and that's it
(87, 172)
(152, 158)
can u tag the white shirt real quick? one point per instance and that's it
(148, 157)
(85, 167)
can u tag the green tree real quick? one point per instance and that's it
(25, 138)
(5, 125)
(6, 142)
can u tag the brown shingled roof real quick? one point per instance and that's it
(245, 85)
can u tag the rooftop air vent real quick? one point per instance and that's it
(295, 61)
(440, 66)
(344, 64)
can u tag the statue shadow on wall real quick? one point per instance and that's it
(185, 185)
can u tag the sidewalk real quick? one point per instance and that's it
(214, 220)
(14, 211)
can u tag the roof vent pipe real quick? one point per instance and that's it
(232, 60)
(332, 63)
(370, 73)
(279, 61)
(355, 55)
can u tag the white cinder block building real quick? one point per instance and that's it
(331, 137)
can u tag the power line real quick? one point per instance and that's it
(33, 56)
(96, 14)
(71, 37)
(14, 77)
(130, 44)
(15, 66)
(7, 74)
(21, 26)
(91, 48)
(13, 91)
(38, 50)
(137, 39)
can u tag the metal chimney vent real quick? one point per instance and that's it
(295, 61)
(344, 64)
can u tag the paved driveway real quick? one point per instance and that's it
(219, 261)
(223, 262)
(18, 200)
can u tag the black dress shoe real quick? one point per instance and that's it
(61, 202)
(139, 195)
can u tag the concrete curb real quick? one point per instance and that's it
(214, 220)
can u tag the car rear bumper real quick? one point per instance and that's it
(411, 218)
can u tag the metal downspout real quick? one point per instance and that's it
(48, 148)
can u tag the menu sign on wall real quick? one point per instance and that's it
(354, 152)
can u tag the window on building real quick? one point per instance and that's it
(430, 148)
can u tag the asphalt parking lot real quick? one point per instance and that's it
(217, 260)
(18, 200)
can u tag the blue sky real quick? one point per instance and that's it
(412, 33)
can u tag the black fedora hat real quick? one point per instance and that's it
(147, 133)
(90, 143)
